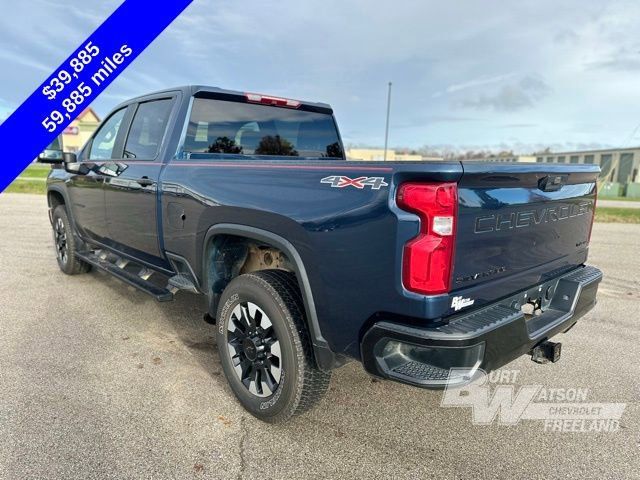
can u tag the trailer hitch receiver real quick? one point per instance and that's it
(547, 352)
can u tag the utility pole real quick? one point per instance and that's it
(386, 132)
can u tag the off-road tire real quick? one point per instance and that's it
(68, 263)
(301, 384)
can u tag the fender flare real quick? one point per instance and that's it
(63, 192)
(58, 188)
(325, 358)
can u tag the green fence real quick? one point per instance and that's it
(618, 190)
(633, 190)
(610, 189)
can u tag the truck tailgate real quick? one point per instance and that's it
(514, 218)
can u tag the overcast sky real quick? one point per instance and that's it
(471, 74)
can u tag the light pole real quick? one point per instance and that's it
(386, 132)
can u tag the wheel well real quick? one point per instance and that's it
(231, 255)
(55, 199)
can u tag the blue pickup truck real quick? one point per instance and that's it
(425, 272)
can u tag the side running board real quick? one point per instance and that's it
(181, 282)
(103, 260)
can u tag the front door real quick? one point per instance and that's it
(86, 187)
(131, 187)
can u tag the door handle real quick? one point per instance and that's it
(145, 181)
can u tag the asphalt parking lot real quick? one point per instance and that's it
(99, 381)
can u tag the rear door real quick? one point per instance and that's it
(522, 222)
(131, 184)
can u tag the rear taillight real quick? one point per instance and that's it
(428, 258)
(593, 217)
(269, 100)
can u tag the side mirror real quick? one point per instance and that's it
(72, 165)
(53, 153)
(51, 157)
(68, 157)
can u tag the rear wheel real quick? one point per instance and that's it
(264, 346)
(65, 244)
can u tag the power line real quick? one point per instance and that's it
(386, 132)
(631, 137)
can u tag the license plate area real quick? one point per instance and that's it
(535, 301)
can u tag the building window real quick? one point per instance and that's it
(588, 158)
(549, 159)
(625, 167)
(605, 164)
(574, 159)
(561, 159)
(539, 160)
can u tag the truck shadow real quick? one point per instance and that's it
(183, 316)
(359, 419)
(182, 320)
(352, 390)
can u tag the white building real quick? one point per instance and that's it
(618, 165)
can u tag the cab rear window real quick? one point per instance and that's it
(225, 127)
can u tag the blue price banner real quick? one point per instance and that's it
(81, 78)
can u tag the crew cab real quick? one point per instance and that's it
(426, 272)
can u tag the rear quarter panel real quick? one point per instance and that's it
(349, 238)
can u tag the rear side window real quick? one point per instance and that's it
(147, 129)
(218, 126)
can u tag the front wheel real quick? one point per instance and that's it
(65, 244)
(264, 346)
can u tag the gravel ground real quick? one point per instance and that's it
(99, 381)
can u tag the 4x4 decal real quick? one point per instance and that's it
(340, 181)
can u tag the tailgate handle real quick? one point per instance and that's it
(551, 183)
